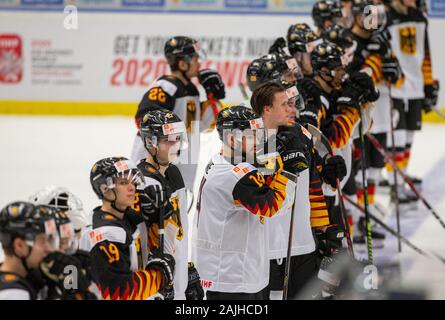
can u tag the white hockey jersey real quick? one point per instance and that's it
(408, 42)
(302, 237)
(230, 246)
(176, 232)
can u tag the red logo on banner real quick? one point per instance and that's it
(10, 58)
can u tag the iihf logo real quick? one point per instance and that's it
(11, 60)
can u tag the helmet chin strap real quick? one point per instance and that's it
(23, 259)
(323, 75)
(184, 73)
(113, 203)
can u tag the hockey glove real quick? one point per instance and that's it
(278, 46)
(364, 81)
(391, 69)
(350, 95)
(379, 43)
(152, 199)
(163, 262)
(308, 115)
(194, 289)
(310, 92)
(66, 273)
(431, 95)
(292, 152)
(329, 242)
(212, 83)
(334, 168)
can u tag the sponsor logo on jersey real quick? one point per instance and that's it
(95, 237)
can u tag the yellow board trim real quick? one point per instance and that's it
(67, 108)
(87, 108)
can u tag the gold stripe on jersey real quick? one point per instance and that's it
(375, 63)
(319, 213)
(427, 69)
(340, 129)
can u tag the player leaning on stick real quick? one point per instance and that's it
(235, 202)
(177, 93)
(164, 135)
(120, 264)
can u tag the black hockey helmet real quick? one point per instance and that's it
(23, 219)
(178, 48)
(104, 172)
(237, 118)
(326, 55)
(342, 37)
(299, 36)
(161, 123)
(270, 67)
(324, 10)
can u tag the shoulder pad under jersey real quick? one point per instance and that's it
(167, 84)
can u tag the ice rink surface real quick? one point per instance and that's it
(37, 151)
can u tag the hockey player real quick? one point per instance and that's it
(120, 265)
(340, 102)
(177, 93)
(62, 199)
(301, 40)
(310, 208)
(325, 14)
(29, 238)
(230, 245)
(164, 135)
(346, 14)
(408, 27)
(373, 53)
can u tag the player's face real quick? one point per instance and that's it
(168, 151)
(293, 114)
(306, 64)
(280, 111)
(328, 23)
(193, 69)
(339, 76)
(125, 191)
(290, 76)
(41, 248)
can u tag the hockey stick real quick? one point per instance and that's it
(394, 233)
(321, 143)
(242, 88)
(365, 187)
(289, 244)
(406, 179)
(393, 147)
